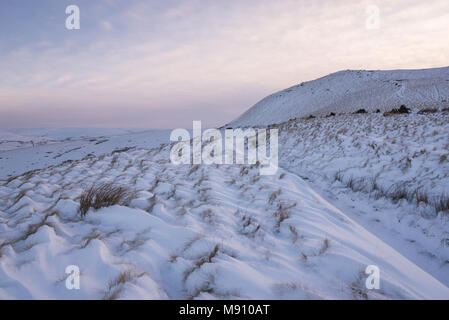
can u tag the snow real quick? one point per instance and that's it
(349, 91)
(11, 139)
(74, 145)
(228, 232)
(72, 133)
(191, 232)
(356, 160)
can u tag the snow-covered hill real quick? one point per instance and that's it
(75, 145)
(391, 174)
(203, 232)
(11, 139)
(349, 91)
(352, 190)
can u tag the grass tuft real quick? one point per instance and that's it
(104, 195)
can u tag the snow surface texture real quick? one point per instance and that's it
(353, 190)
(390, 173)
(204, 232)
(349, 91)
(76, 145)
(11, 139)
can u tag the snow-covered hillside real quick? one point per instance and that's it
(349, 91)
(389, 173)
(74, 145)
(205, 232)
(11, 139)
(352, 190)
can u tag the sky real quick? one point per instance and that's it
(163, 64)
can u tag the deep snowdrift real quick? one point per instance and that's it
(348, 91)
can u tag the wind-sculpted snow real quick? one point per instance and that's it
(72, 144)
(197, 232)
(391, 172)
(11, 140)
(349, 91)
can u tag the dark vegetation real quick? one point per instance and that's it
(104, 195)
(401, 110)
(428, 110)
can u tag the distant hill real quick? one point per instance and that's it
(348, 91)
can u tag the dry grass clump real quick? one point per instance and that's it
(323, 249)
(116, 286)
(427, 110)
(207, 258)
(281, 214)
(441, 203)
(397, 192)
(401, 110)
(104, 195)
